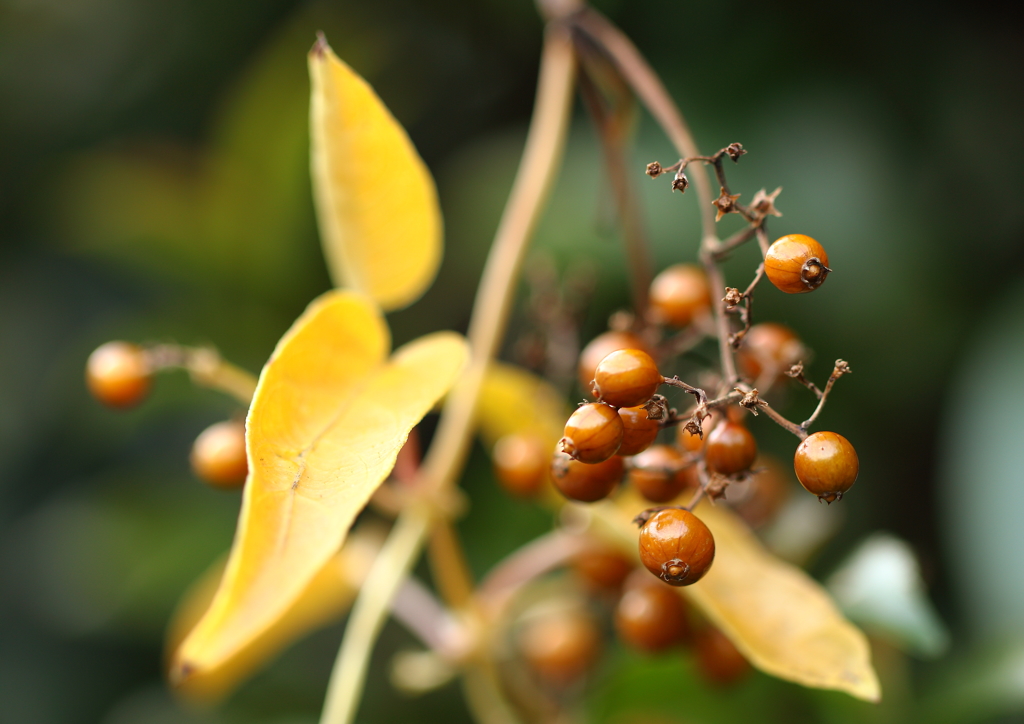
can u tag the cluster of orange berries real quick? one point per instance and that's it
(120, 375)
(614, 437)
(648, 616)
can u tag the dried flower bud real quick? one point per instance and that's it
(842, 368)
(716, 486)
(725, 203)
(735, 150)
(796, 371)
(750, 400)
(680, 182)
(732, 297)
(764, 204)
(694, 427)
(657, 408)
(654, 169)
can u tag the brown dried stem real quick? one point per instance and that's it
(841, 368)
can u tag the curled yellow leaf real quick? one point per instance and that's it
(780, 618)
(376, 203)
(325, 599)
(325, 426)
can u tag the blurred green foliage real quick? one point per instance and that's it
(154, 186)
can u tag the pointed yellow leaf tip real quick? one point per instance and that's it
(330, 414)
(376, 202)
(780, 618)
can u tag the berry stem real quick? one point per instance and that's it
(841, 368)
(613, 125)
(206, 368)
(792, 427)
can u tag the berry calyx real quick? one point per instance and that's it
(583, 482)
(676, 546)
(730, 448)
(660, 473)
(218, 455)
(826, 465)
(769, 346)
(600, 347)
(593, 433)
(638, 430)
(650, 616)
(796, 264)
(520, 463)
(678, 295)
(626, 378)
(118, 374)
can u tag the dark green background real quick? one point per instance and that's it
(154, 186)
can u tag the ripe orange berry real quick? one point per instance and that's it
(118, 374)
(218, 454)
(560, 646)
(650, 616)
(718, 659)
(826, 464)
(626, 378)
(521, 463)
(730, 448)
(583, 482)
(678, 295)
(676, 546)
(769, 346)
(796, 264)
(593, 433)
(638, 430)
(602, 568)
(658, 473)
(600, 347)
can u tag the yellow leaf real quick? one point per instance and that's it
(323, 601)
(780, 618)
(376, 202)
(513, 400)
(326, 424)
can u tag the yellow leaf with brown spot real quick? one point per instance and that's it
(329, 416)
(376, 202)
(780, 618)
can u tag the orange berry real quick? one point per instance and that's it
(658, 473)
(520, 463)
(218, 454)
(626, 378)
(560, 646)
(593, 433)
(602, 568)
(650, 616)
(827, 465)
(583, 482)
(796, 264)
(638, 430)
(730, 448)
(118, 374)
(676, 546)
(600, 347)
(769, 346)
(678, 295)
(718, 659)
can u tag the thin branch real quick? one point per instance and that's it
(446, 457)
(527, 563)
(650, 90)
(206, 368)
(841, 368)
